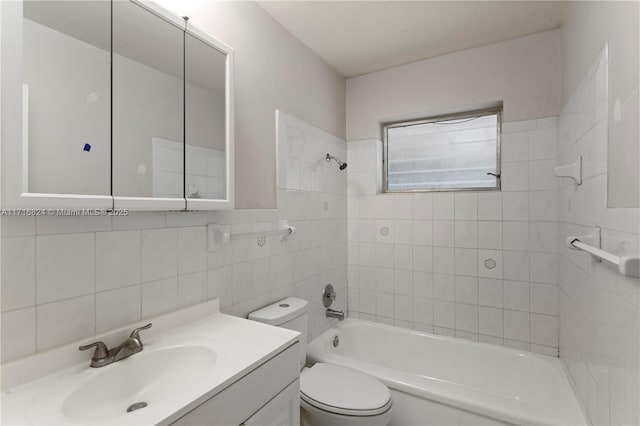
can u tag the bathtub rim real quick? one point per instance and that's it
(400, 381)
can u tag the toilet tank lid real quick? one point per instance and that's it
(280, 312)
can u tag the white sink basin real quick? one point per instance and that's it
(189, 356)
(151, 376)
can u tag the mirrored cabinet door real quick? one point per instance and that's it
(148, 108)
(113, 104)
(205, 121)
(66, 140)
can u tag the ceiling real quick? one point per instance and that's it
(359, 37)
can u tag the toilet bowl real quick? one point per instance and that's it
(329, 394)
(335, 395)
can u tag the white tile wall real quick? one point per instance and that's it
(599, 309)
(159, 253)
(118, 259)
(67, 278)
(65, 266)
(118, 307)
(62, 321)
(18, 272)
(439, 243)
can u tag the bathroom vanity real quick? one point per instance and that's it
(113, 105)
(198, 367)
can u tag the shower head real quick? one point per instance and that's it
(341, 164)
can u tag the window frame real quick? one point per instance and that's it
(452, 116)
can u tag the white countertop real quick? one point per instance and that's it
(239, 345)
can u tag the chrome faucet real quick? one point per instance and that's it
(332, 313)
(104, 356)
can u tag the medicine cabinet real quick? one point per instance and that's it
(113, 104)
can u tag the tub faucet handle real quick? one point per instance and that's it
(328, 295)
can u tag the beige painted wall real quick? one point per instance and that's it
(524, 73)
(586, 28)
(273, 70)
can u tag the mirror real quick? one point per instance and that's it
(113, 104)
(205, 136)
(66, 97)
(148, 104)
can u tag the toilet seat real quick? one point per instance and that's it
(344, 391)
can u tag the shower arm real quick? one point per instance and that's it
(341, 163)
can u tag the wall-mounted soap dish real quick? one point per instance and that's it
(571, 171)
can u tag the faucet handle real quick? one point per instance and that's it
(135, 334)
(101, 350)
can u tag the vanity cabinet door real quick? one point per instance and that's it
(148, 108)
(251, 393)
(283, 410)
(56, 135)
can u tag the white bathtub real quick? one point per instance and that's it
(439, 380)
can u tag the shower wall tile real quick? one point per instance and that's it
(490, 235)
(466, 206)
(599, 309)
(544, 142)
(515, 206)
(490, 206)
(515, 146)
(476, 265)
(94, 274)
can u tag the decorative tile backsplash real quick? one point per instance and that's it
(476, 265)
(67, 278)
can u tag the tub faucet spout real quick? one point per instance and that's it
(332, 313)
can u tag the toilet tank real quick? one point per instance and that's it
(290, 313)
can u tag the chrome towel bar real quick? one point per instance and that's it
(627, 265)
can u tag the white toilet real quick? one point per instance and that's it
(329, 394)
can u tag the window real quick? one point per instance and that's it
(445, 153)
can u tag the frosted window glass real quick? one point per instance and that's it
(443, 155)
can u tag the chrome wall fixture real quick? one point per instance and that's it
(627, 265)
(328, 296)
(103, 356)
(341, 164)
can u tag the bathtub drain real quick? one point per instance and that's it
(336, 341)
(136, 406)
